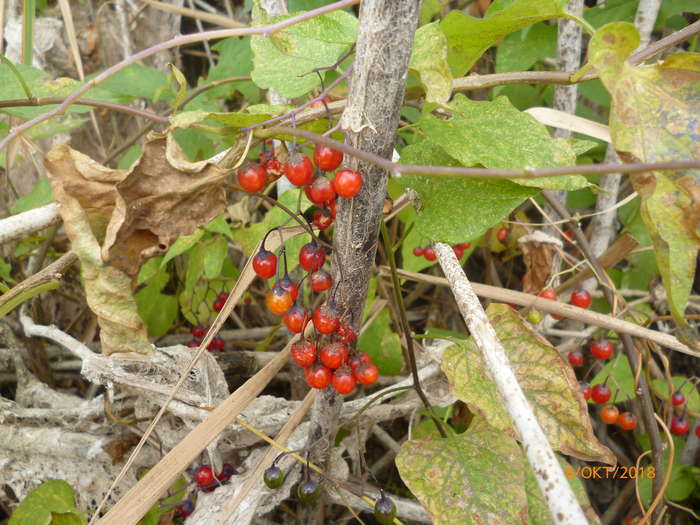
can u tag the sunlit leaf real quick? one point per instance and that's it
(547, 380)
(654, 117)
(429, 59)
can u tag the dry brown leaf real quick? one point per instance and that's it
(538, 261)
(117, 219)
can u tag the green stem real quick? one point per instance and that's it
(7, 307)
(18, 75)
(406, 329)
(588, 28)
(28, 31)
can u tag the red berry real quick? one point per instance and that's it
(194, 343)
(320, 190)
(429, 253)
(299, 169)
(295, 319)
(697, 430)
(204, 476)
(345, 333)
(218, 305)
(223, 296)
(581, 298)
(198, 332)
(227, 471)
(343, 380)
(327, 159)
(312, 257)
(347, 183)
(678, 398)
(265, 264)
(252, 178)
(502, 234)
(185, 508)
(367, 374)
(418, 251)
(627, 421)
(609, 414)
(303, 353)
(333, 355)
(319, 103)
(459, 251)
(679, 426)
(575, 358)
(325, 320)
(602, 349)
(585, 390)
(318, 376)
(274, 169)
(550, 294)
(247, 300)
(601, 394)
(289, 286)
(465, 245)
(320, 281)
(358, 358)
(323, 218)
(278, 300)
(216, 345)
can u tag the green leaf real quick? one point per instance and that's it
(6, 271)
(181, 86)
(39, 196)
(445, 214)
(474, 478)
(612, 11)
(548, 383)
(523, 49)
(235, 60)
(219, 225)
(468, 37)
(181, 245)
(51, 496)
(621, 380)
(280, 59)
(158, 310)
(67, 518)
(692, 397)
(684, 479)
(654, 116)
(214, 254)
(161, 507)
(383, 345)
(429, 60)
(135, 81)
(496, 135)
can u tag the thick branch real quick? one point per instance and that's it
(370, 121)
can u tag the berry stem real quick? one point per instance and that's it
(389, 251)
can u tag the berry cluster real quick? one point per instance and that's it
(601, 348)
(320, 190)
(429, 252)
(334, 362)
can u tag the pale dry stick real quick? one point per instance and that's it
(256, 474)
(645, 18)
(555, 307)
(178, 41)
(246, 277)
(31, 329)
(210, 18)
(555, 488)
(28, 222)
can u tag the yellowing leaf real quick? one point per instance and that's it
(547, 380)
(473, 478)
(429, 59)
(654, 117)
